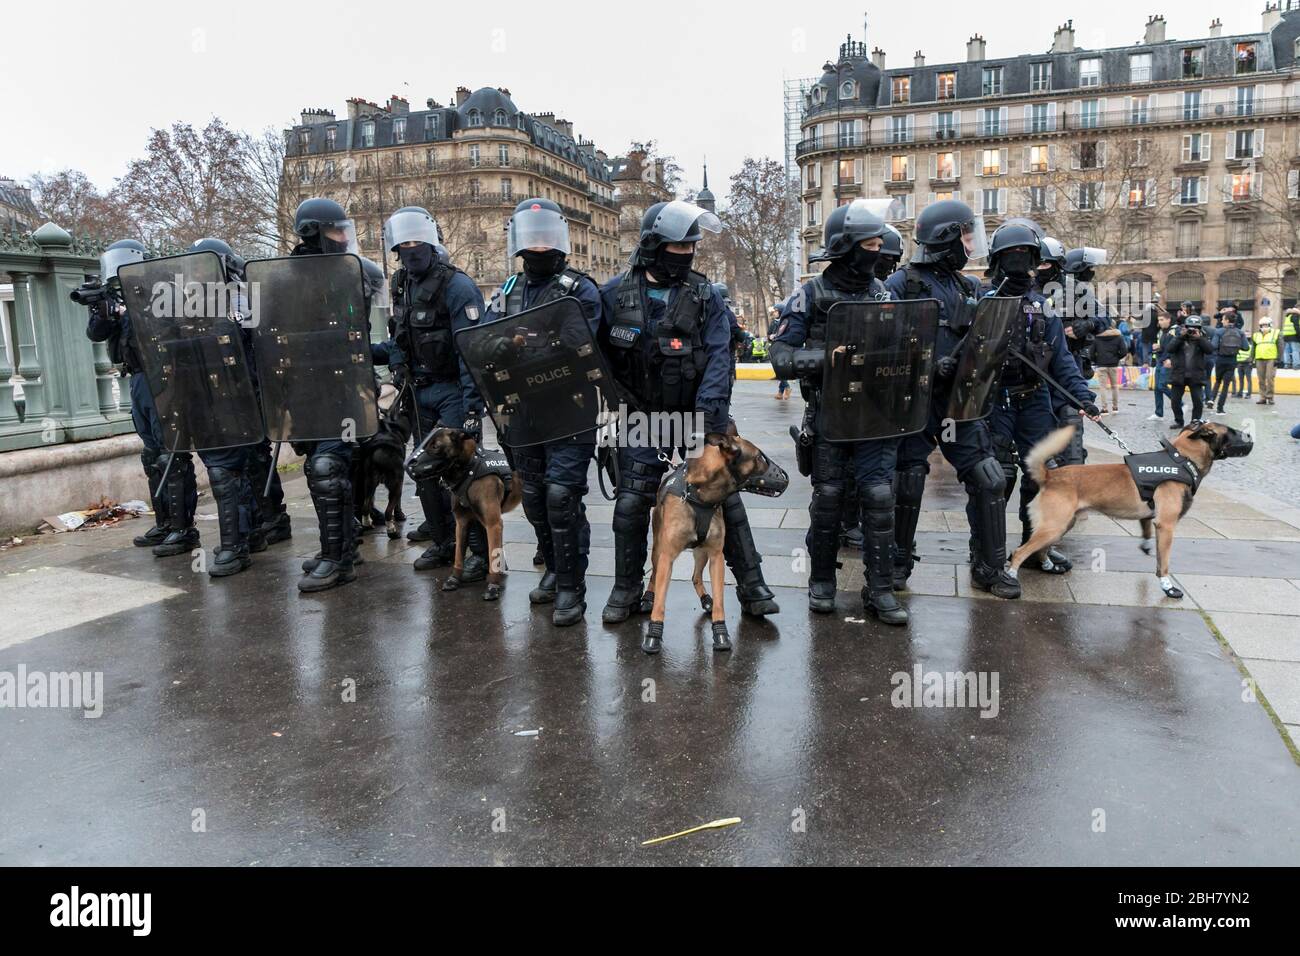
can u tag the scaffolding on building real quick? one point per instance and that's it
(796, 94)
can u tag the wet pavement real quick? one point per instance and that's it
(380, 722)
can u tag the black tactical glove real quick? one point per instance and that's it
(473, 426)
(1091, 410)
(400, 373)
(945, 367)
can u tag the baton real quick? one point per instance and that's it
(162, 482)
(270, 472)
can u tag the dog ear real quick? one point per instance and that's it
(724, 443)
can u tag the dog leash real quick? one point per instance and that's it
(1071, 399)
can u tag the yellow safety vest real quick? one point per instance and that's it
(1291, 324)
(1266, 345)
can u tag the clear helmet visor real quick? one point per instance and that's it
(410, 226)
(339, 237)
(537, 228)
(113, 259)
(1051, 251)
(976, 239)
(864, 211)
(679, 219)
(1094, 256)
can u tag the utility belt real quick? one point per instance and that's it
(423, 381)
(1019, 394)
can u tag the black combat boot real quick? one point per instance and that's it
(563, 508)
(182, 536)
(878, 555)
(631, 526)
(756, 598)
(232, 555)
(534, 502)
(438, 521)
(909, 487)
(328, 480)
(986, 488)
(477, 558)
(157, 495)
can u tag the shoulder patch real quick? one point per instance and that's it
(471, 313)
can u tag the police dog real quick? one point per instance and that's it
(1110, 489)
(379, 461)
(483, 488)
(688, 514)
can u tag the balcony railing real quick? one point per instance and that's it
(884, 134)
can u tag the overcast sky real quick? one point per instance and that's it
(81, 84)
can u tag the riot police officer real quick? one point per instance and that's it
(554, 473)
(891, 252)
(1051, 259)
(325, 229)
(432, 299)
(173, 504)
(854, 236)
(666, 334)
(1083, 317)
(948, 236)
(1023, 414)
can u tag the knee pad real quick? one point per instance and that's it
(827, 500)
(631, 513)
(560, 497)
(909, 485)
(327, 475)
(534, 501)
(221, 478)
(149, 459)
(987, 475)
(878, 498)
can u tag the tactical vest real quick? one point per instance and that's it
(1152, 469)
(676, 485)
(481, 465)
(424, 327)
(509, 299)
(917, 286)
(1029, 339)
(825, 295)
(662, 374)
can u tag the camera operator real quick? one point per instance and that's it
(1188, 362)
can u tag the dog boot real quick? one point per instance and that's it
(721, 639)
(654, 637)
(1052, 560)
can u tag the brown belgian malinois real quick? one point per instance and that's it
(688, 514)
(483, 488)
(1155, 489)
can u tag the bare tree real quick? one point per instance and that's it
(759, 217)
(1270, 194)
(71, 200)
(672, 171)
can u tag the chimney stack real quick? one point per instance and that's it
(1063, 38)
(878, 58)
(1272, 15)
(975, 49)
(1155, 32)
(1216, 27)
(398, 105)
(462, 94)
(918, 59)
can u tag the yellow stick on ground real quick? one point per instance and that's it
(714, 825)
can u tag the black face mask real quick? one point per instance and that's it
(1016, 270)
(1052, 273)
(954, 257)
(862, 261)
(542, 265)
(885, 266)
(671, 266)
(417, 260)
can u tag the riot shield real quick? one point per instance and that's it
(311, 341)
(192, 350)
(539, 371)
(879, 368)
(980, 358)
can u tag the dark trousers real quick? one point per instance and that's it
(1226, 376)
(1017, 424)
(1197, 391)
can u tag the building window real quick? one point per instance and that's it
(900, 128)
(1240, 186)
(1139, 109)
(1196, 147)
(945, 86)
(1039, 199)
(1243, 144)
(942, 195)
(1039, 159)
(1193, 62)
(507, 190)
(945, 126)
(992, 85)
(1090, 155)
(1241, 234)
(900, 168)
(900, 89)
(475, 118)
(304, 139)
(850, 132)
(902, 208)
(1139, 68)
(945, 166)
(990, 162)
(1191, 190)
(1088, 113)
(331, 136)
(329, 170)
(474, 188)
(1191, 105)
(499, 118)
(848, 172)
(430, 126)
(1088, 197)
(1090, 71)
(993, 201)
(399, 130)
(503, 155)
(1245, 57)
(813, 176)
(1040, 76)
(991, 121)
(368, 133)
(1245, 101)
(1042, 117)
(304, 174)
(1139, 193)
(474, 155)
(814, 212)
(1187, 239)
